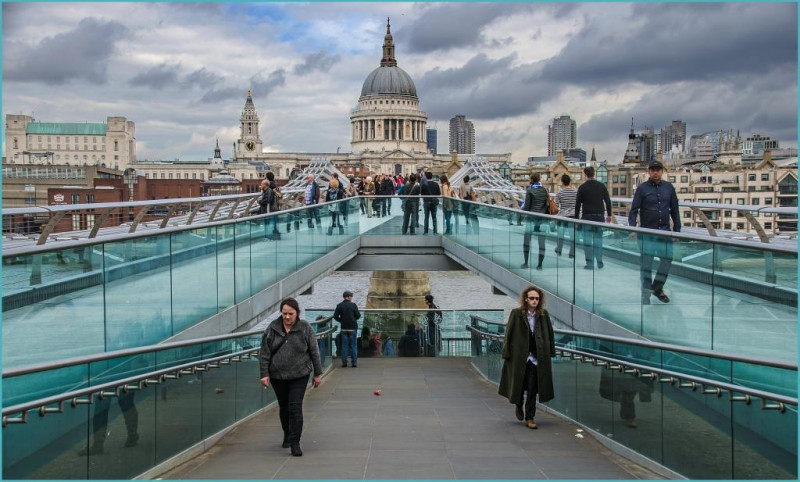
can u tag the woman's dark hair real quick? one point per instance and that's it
(466, 178)
(365, 332)
(443, 179)
(291, 303)
(429, 298)
(270, 176)
(535, 177)
(566, 180)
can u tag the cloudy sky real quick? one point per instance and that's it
(181, 71)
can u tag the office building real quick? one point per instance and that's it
(431, 136)
(562, 134)
(462, 135)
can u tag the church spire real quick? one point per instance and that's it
(388, 59)
(217, 151)
(593, 160)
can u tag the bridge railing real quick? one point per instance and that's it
(604, 269)
(701, 414)
(129, 290)
(118, 415)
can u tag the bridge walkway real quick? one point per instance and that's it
(436, 419)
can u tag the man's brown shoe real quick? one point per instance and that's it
(518, 412)
(531, 424)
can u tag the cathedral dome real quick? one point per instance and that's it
(389, 80)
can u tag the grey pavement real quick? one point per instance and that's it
(436, 418)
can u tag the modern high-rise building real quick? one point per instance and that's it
(462, 135)
(647, 145)
(432, 135)
(562, 134)
(673, 135)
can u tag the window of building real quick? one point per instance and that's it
(727, 225)
(202, 176)
(94, 140)
(58, 147)
(39, 138)
(754, 201)
(684, 190)
(48, 139)
(76, 222)
(170, 175)
(85, 139)
(614, 178)
(687, 214)
(684, 178)
(739, 225)
(728, 214)
(89, 198)
(740, 202)
(163, 175)
(623, 191)
(116, 145)
(751, 177)
(765, 177)
(89, 221)
(768, 200)
(671, 178)
(615, 191)
(147, 175)
(75, 198)
(194, 175)
(767, 225)
(76, 139)
(116, 157)
(623, 178)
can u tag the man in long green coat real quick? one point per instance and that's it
(528, 347)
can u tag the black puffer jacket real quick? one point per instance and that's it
(298, 356)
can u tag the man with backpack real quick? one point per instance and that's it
(268, 203)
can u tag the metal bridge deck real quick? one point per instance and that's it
(436, 419)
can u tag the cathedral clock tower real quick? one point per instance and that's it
(249, 145)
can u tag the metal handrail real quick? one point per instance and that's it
(664, 346)
(668, 376)
(114, 388)
(789, 248)
(67, 362)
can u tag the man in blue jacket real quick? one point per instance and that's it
(655, 202)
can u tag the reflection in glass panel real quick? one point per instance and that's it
(140, 265)
(194, 277)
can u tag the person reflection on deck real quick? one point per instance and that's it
(409, 342)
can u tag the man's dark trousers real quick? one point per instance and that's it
(593, 239)
(653, 246)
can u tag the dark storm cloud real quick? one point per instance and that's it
(160, 76)
(491, 89)
(673, 42)
(260, 86)
(80, 54)
(448, 26)
(202, 78)
(318, 61)
(476, 68)
(762, 105)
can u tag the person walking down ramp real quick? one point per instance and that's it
(528, 346)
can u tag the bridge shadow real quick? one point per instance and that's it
(435, 419)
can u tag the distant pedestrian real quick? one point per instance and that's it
(589, 202)
(447, 202)
(528, 346)
(430, 202)
(565, 200)
(655, 202)
(467, 193)
(289, 351)
(536, 201)
(411, 205)
(311, 197)
(347, 314)
(433, 319)
(335, 193)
